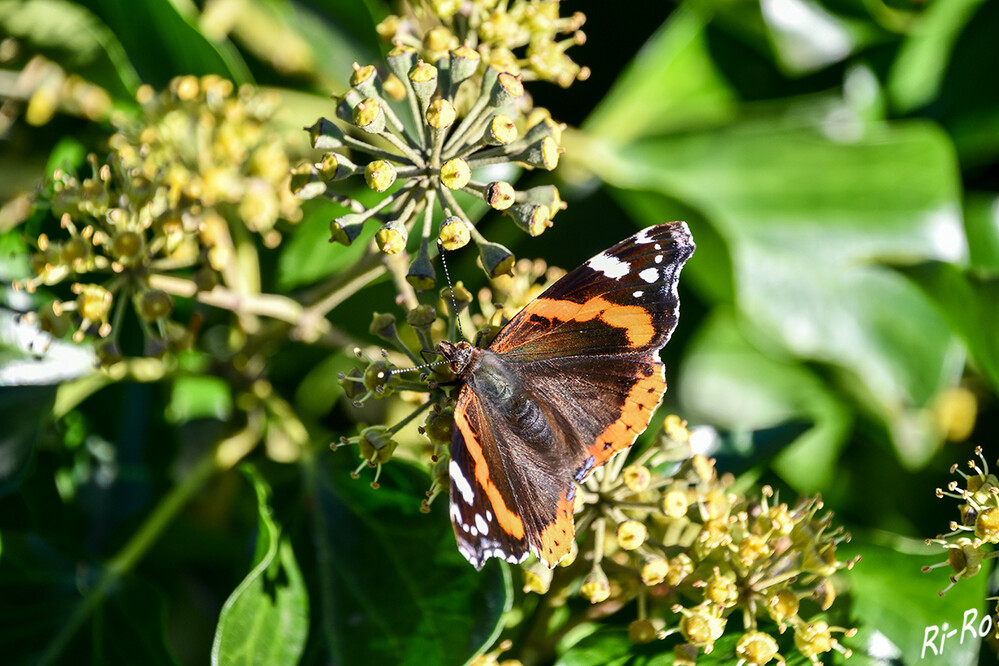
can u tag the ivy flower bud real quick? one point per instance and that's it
(500, 131)
(642, 631)
(364, 78)
(383, 325)
(506, 90)
(654, 571)
(675, 504)
(423, 78)
(377, 445)
(368, 116)
(455, 174)
(532, 218)
(495, 259)
(813, 639)
(596, 586)
(702, 629)
(391, 237)
(155, 304)
(500, 195)
(757, 648)
(379, 175)
(454, 233)
(542, 154)
(346, 228)
(987, 525)
(463, 62)
(325, 135)
(537, 578)
(441, 114)
(439, 426)
(547, 195)
(422, 275)
(334, 166)
(401, 59)
(631, 534)
(378, 377)
(305, 181)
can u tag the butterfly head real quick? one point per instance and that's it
(458, 356)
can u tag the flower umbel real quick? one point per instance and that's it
(457, 115)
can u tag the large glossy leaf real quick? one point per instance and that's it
(802, 216)
(970, 303)
(892, 595)
(981, 220)
(395, 588)
(266, 619)
(726, 381)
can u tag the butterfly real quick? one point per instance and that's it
(573, 379)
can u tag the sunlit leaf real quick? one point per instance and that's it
(266, 619)
(199, 397)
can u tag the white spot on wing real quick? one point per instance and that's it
(481, 524)
(650, 275)
(489, 515)
(642, 237)
(609, 265)
(460, 482)
(637, 294)
(659, 258)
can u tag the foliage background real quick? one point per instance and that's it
(837, 164)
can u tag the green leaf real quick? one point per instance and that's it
(970, 303)
(199, 397)
(981, 222)
(802, 216)
(163, 39)
(395, 588)
(308, 256)
(671, 84)
(919, 68)
(70, 29)
(726, 381)
(891, 594)
(266, 619)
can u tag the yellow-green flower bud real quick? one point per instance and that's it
(756, 648)
(680, 567)
(306, 182)
(454, 233)
(813, 639)
(654, 571)
(334, 166)
(702, 629)
(422, 275)
(461, 297)
(346, 228)
(507, 89)
(441, 114)
(378, 377)
(439, 426)
(379, 175)
(636, 477)
(495, 259)
(537, 578)
(401, 59)
(383, 325)
(532, 218)
(376, 444)
(547, 195)
(500, 195)
(782, 605)
(421, 316)
(642, 631)
(126, 246)
(675, 504)
(987, 525)
(542, 154)
(391, 237)
(752, 548)
(595, 587)
(464, 61)
(155, 304)
(455, 174)
(351, 384)
(500, 131)
(423, 79)
(721, 591)
(364, 79)
(631, 534)
(368, 115)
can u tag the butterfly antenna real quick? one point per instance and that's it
(454, 304)
(417, 367)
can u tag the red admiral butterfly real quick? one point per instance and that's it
(573, 379)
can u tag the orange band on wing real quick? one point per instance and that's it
(556, 539)
(634, 319)
(508, 520)
(636, 413)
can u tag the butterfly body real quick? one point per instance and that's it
(573, 379)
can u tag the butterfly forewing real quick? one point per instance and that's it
(574, 378)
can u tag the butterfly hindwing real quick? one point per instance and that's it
(574, 378)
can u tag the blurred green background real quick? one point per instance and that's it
(838, 165)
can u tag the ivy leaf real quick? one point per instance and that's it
(395, 588)
(266, 619)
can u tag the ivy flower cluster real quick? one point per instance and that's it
(518, 36)
(428, 130)
(186, 182)
(972, 539)
(669, 533)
